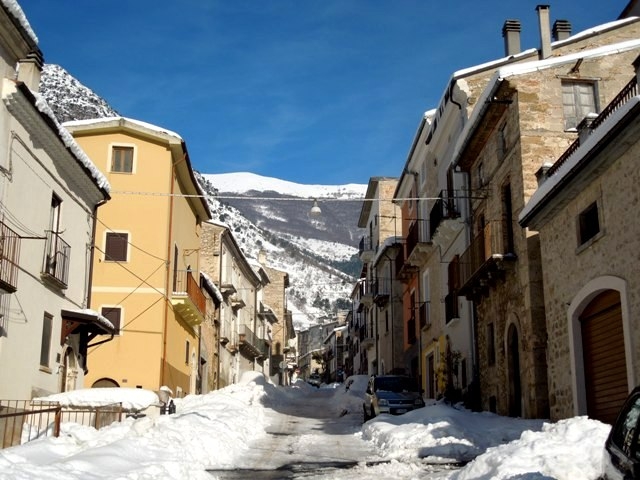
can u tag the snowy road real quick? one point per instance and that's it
(307, 439)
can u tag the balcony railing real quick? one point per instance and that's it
(381, 290)
(9, 258)
(629, 91)
(249, 342)
(418, 233)
(365, 248)
(188, 299)
(56, 259)
(483, 258)
(445, 208)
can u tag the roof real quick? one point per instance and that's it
(177, 145)
(26, 106)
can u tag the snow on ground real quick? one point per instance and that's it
(213, 431)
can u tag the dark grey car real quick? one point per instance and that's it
(393, 394)
(622, 448)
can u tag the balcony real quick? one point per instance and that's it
(366, 337)
(404, 270)
(9, 257)
(381, 291)
(419, 246)
(365, 249)
(444, 218)
(187, 298)
(485, 261)
(366, 293)
(56, 261)
(236, 302)
(250, 344)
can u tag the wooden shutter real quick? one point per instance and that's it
(116, 246)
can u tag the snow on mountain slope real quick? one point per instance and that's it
(243, 182)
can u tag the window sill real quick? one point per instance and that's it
(46, 369)
(590, 242)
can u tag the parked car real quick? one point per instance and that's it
(622, 448)
(315, 380)
(394, 394)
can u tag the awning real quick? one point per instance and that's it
(88, 324)
(84, 321)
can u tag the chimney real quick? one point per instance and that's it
(561, 30)
(29, 70)
(511, 34)
(262, 257)
(545, 31)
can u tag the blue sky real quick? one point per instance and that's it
(310, 91)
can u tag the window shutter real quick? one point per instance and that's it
(113, 315)
(116, 246)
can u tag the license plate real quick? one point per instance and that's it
(401, 410)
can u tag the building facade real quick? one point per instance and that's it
(146, 265)
(50, 192)
(588, 239)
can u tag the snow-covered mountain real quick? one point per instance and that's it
(319, 253)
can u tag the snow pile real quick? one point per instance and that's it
(131, 398)
(442, 433)
(566, 450)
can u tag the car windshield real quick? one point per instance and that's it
(396, 384)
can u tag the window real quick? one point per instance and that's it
(187, 348)
(45, 346)
(386, 321)
(122, 159)
(507, 216)
(116, 247)
(491, 344)
(588, 224)
(624, 433)
(578, 100)
(114, 315)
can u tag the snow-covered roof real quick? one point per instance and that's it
(212, 286)
(552, 183)
(63, 135)
(138, 123)
(529, 67)
(14, 8)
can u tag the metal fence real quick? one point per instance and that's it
(22, 421)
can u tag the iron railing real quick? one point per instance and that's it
(56, 258)
(445, 208)
(9, 258)
(22, 421)
(629, 91)
(487, 244)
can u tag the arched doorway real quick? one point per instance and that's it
(105, 383)
(603, 356)
(515, 382)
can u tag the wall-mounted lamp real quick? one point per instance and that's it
(315, 209)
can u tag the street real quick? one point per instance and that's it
(304, 439)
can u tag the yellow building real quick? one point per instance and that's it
(146, 264)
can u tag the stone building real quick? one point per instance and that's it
(527, 114)
(589, 241)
